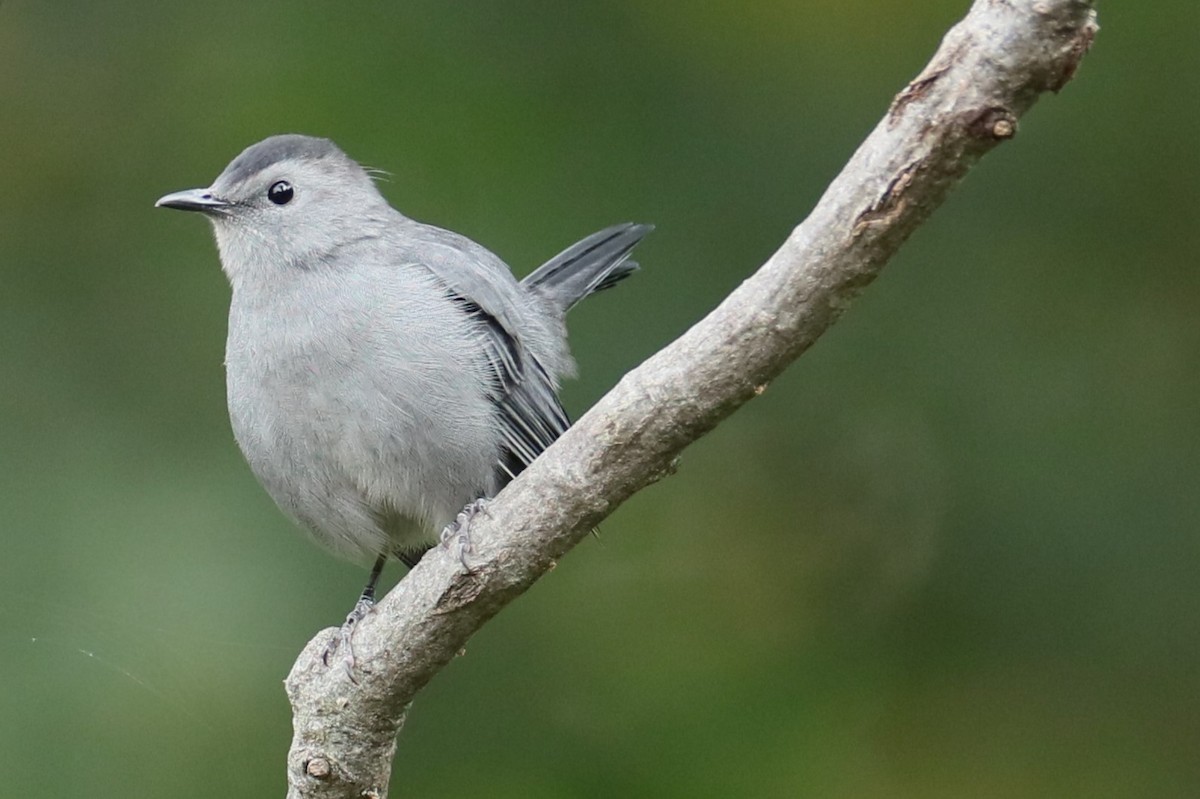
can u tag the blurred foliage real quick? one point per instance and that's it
(952, 552)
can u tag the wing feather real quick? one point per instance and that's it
(528, 411)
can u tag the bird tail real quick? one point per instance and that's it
(597, 262)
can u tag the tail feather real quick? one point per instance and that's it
(598, 262)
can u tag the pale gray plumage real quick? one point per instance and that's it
(383, 373)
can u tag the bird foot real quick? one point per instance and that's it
(459, 530)
(343, 639)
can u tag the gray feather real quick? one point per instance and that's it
(598, 262)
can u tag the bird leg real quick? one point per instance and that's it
(345, 634)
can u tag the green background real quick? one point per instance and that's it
(952, 552)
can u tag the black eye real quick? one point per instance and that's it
(280, 192)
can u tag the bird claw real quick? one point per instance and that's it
(459, 531)
(344, 637)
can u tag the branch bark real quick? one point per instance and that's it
(988, 71)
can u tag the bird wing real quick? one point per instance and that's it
(529, 412)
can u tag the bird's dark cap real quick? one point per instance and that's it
(285, 147)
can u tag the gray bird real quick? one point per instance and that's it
(382, 374)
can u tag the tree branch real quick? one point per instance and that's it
(989, 70)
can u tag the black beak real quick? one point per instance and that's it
(202, 200)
